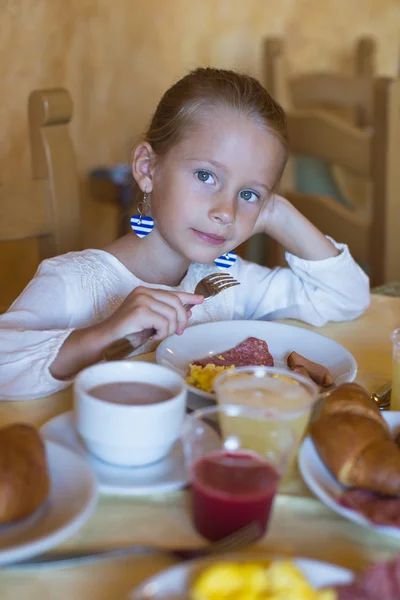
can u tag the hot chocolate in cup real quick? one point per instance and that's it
(129, 413)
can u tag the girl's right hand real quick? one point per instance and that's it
(150, 308)
(144, 308)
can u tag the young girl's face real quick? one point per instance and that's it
(210, 188)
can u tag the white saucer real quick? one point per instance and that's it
(166, 475)
(72, 500)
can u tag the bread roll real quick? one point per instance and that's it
(24, 478)
(354, 442)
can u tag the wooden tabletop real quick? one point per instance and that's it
(300, 525)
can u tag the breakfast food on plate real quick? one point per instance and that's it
(276, 580)
(308, 368)
(24, 478)
(251, 351)
(355, 444)
(381, 580)
(354, 441)
(282, 580)
(203, 377)
(380, 510)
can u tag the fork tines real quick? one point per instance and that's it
(218, 282)
(215, 277)
(224, 285)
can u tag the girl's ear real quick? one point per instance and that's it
(143, 166)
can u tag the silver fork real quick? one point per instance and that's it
(208, 287)
(233, 543)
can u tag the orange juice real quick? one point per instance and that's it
(287, 404)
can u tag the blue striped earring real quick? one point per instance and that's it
(226, 260)
(142, 224)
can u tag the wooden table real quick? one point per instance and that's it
(300, 525)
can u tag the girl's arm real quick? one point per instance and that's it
(323, 282)
(285, 224)
(50, 332)
(144, 308)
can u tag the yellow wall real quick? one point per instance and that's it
(116, 58)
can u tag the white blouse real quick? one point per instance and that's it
(79, 289)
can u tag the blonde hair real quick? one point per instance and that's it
(206, 88)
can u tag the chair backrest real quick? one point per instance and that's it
(371, 153)
(47, 206)
(323, 89)
(352, 124)
(349, 97)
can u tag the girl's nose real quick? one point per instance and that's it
(223, 212)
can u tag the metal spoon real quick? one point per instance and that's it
(382, 396)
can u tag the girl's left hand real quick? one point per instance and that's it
(264, 223)
(281, 221)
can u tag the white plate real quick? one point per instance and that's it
(176, 352)
(327, 489)
(166, 475)
(72, 500)
(176, 580)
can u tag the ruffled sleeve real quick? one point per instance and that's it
(31, 334)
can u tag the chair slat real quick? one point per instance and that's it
(318, 134)
(331, 90)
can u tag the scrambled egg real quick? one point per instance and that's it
(203, 377)
(279, 580)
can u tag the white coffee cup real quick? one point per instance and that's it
(129, 434)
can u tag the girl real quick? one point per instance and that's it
(208, 167)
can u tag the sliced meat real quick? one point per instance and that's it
(380, 510)
(380, 581)
(250, 352)
(351, 592)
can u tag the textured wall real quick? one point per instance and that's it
(116, 58)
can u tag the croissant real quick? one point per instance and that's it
(354, 441)
(24, 477)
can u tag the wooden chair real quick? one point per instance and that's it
(363, 141)
(347, 96)
(371, 235)
(323, 89)
(47, 206)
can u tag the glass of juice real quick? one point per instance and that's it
(286, 399)
(395, 395)
(232, 484)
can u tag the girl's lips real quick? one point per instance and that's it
(214, 240)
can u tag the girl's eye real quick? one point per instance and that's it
(249, 196)
(205, 177)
